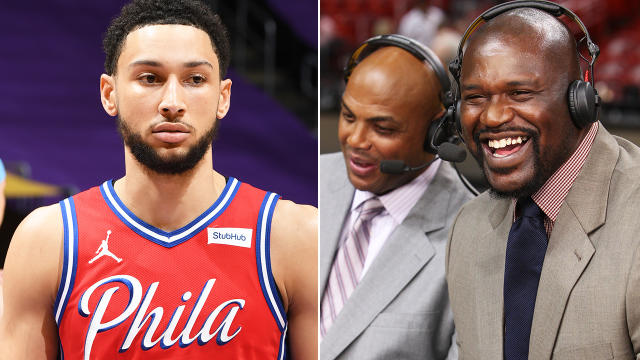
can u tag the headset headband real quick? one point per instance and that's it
(546, 6)
(415, 48)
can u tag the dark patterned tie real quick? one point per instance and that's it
(526, 247)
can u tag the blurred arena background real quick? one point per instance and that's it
(56, 140)
(613, 24)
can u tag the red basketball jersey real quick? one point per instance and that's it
(205, 291)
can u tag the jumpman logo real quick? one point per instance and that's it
(104, 250)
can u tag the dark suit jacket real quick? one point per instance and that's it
(588, 302)
(400, 308)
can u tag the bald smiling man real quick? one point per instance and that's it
(546, 264)
(393, 303)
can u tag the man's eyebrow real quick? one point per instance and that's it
(345, 106)
(513, 83)
(471, 87)
(145, 62)
(190, 64)
(516, 83)
(382, 118)
(373, 118)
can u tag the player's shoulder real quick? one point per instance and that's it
(294, 248)
(294, 226)
(297, 218)
(294, 211)
(42, 223)
(37, 244)
(39, 234)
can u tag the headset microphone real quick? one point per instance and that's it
(398, 167)
(446, 151)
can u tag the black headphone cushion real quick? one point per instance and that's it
(455, 113)
(439, 132)
(581, 98)
(434, 136)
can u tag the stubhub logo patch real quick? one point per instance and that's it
(230, 236)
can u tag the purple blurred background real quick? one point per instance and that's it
(50, 63)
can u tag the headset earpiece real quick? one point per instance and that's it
(455, 108)
(437, 133)
(454, 67)
(583, 103)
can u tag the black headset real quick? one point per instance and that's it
(441, 129)
(582, 97)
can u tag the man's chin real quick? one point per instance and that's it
(364, 184)
(510, 182)
(359, 183)
(166, 161)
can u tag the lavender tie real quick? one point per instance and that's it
(348, 264)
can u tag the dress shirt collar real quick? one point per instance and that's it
(552, 194)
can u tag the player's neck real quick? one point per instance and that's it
(169, 202)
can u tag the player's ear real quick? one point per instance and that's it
(225, 98)
(108, 94)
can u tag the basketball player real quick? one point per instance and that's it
(174, 260)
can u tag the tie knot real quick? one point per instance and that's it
(528, 208)
(370, 208)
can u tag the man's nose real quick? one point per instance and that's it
(496, 113)
(358, 139)
(172, 104)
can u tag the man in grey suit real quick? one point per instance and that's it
(398, 307)
(531, 123)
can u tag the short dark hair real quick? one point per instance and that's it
(140, 13)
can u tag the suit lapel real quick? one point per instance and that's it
(568, 254)
(335, 207)
(570, 249)
(490, 281)
(404, 254)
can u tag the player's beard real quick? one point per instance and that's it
(149, 157)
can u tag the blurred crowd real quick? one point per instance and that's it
(613, 24)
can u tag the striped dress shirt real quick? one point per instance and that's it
(397, 204)
(552, 194)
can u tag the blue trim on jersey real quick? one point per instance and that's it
(173, 238)
(272, 281)
(282, 352)
(69, 261)
(263, 257)
(65, 260)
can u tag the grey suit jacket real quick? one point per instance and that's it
(400, 308)
(588, 302)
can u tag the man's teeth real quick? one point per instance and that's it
(499, 144)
